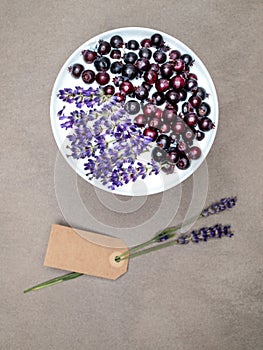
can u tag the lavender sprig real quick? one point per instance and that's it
(171, 232)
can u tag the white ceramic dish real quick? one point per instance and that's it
(154, 183)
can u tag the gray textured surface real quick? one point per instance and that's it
(198, 297)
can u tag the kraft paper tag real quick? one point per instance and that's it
(85, 252)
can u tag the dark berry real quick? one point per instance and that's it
(178, 127)
(201, 92)
(163, 141)
(115, 54)
(140, 120)
(126, 87)
(188, 60)
(129, 71)
(116, 41)
(89, 56)
(154, 122)
(189, 135)
(146, 85)
(179, 65)
(130, 57)
(149, 109)
(104, 47)
(146, 43)
(88, 76)
(165, 128)
(102, 78)
(159, 56)
(173, 155)
(168, 168)
(204, 110)
(102, 64)
(191, 119)
(158, 98)
(145, 53)
(162, 85)
(158, 154)
(109, 90)
(150, 76)
(155, 67)
(186, 108)
(132, 107)
(118, 80)
(205, 124)
(191, 84)
(182, 146)
(194, 152)
(174, 55)
(167, 70)
(199, 135)
(76, 70)
(177, 82)
(143, 64)
(151, 132)
(172, 97)
(156, 40)
(116, 67)
(195, 101)
(169, 115)
(183, 163)
(132, 45)
(183, 94)
(120, 97)
(141, 93)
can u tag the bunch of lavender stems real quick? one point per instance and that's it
(195, 236)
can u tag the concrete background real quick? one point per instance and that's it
(205, 297)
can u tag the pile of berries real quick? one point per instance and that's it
(156, 87)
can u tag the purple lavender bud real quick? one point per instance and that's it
(225, 203)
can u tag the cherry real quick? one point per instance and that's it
(146, 43)
(115, 54)
(145, 53)
(140, 120)
(149, 109)
(158, 98)
(172, 97)
(126, 87)
(104, 47)
(183, 94)
(102, 63)
(109, 90)
(130, 57)
(179, 65)
(155, 122)
(167, 70)
(178, 127)
(195, 101)
(199, 135)
(191, 119)
(158, 154)
(205, 124)
(186, 107)
(88, 76)
(169, 115)
(120, 97)
(174, 55)
(102, 78)
(143, 64)
(188, 60)
(183, 163)
(204, 110)
(150, 77)
(189, 135)
(158, 113)
(150, 132)
(173, 155)
(89, 56)
(165, 128)
(163, 141)
(116, 67)
(129, 71)
(159, 56)
(116, 41)
(132, 45)
(191, 84)
(155, 67)
(162, 85)
(141, 93)
(76, 70)
(194, 152)
(177, 82)
(156, 40)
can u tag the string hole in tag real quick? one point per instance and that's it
(115, 260)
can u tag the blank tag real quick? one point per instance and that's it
(85, 252)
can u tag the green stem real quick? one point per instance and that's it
(68, 276)
(158, 236)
